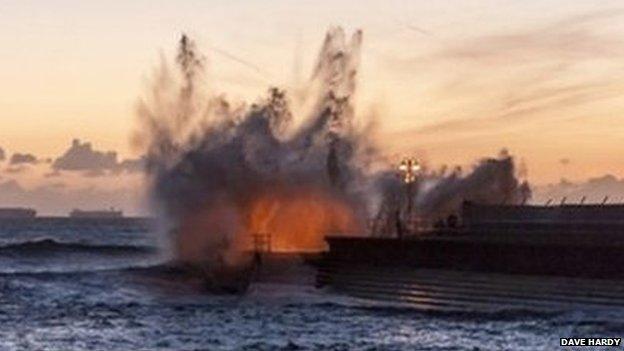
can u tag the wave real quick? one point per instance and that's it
(47, 246)
(137, 267)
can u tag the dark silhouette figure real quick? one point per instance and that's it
(452, 221)
(399, 224)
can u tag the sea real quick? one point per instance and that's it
(82, 285)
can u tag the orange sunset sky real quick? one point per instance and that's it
(448, 81)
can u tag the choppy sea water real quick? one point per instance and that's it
(83, 287)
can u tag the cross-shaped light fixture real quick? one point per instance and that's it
(408, 169)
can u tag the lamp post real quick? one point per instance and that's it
(408, 171)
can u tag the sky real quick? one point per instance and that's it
(447, 81)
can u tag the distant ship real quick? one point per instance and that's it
(17, 212)
(111, 213)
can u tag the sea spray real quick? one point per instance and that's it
(220, 171)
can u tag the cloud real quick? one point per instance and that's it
(15, 169)
(52, 174)
(132, 165)
(58, 185)
(82, 157)
(2, 154)
(507, 79)
(92, 173)
(10, 187)
(20, 159)
(573, 38)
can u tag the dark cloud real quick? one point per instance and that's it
(564, 161)
(20, 159)
(82, 157)
(2, 154)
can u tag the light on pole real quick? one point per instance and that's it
(408, 170)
